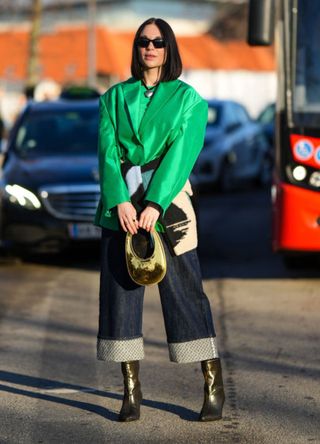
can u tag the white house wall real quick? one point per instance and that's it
(253, 89)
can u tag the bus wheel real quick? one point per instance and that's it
(292, 262)
(303, 261)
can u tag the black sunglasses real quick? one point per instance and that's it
(143, 42)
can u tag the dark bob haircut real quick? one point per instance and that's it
(172, 67)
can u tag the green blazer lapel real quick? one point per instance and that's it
(163, 94)
(132, 99)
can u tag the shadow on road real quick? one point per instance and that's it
(84, 256)
(42, 388)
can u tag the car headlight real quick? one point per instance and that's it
(21, 196)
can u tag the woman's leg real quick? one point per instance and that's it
(120, 321)
(186, 309)
(189, 327)
(121, 302)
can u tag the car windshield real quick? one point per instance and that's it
(267, 115)
(58, 132)
(214, 115)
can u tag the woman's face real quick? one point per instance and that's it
(152, 57)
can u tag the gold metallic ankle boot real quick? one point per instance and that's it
(213, 391)
(130, 410)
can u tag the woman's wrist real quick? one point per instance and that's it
(155, 206)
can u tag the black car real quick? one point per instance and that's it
(49, 186)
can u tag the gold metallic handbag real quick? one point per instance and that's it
(148, 268)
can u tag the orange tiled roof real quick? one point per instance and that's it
(63, 54)
(13, 50)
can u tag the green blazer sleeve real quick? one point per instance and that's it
(113, 187)
(181, 154)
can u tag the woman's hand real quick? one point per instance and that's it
(148, 218)
(128, 217)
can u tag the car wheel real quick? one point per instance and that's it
(226, 179)
(7, 254)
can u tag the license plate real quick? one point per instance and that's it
(84, 231)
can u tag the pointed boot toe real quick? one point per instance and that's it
(130, 410)
(212, 406)
(214, 396)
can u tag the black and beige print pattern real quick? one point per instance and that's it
(179, 221)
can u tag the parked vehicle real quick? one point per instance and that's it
(49, 181)
(235, 148)
(267, 120)
(296, 181)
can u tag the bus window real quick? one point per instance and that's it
(306, 93)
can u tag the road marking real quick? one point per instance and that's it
(66, 391)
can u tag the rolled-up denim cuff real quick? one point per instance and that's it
(120, 350)
(193, 351)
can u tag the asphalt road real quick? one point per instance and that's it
(267, 318)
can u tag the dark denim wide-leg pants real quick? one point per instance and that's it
(186, 309)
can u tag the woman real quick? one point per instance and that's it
(151, 132)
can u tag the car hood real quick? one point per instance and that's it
(35, 173)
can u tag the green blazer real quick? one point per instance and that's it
(173, 126)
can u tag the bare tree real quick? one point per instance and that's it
(33, 55)
(92, 4)
(230, 21)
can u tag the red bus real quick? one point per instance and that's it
(296, 187)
